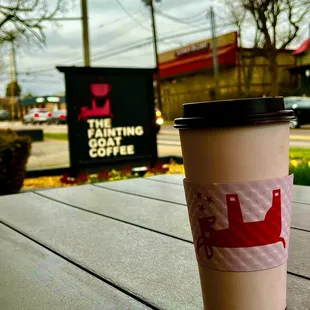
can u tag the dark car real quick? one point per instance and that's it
(301, 108)
(58, 117)
(4, 115)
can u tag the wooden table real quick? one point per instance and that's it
(117, 245)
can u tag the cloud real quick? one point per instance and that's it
(110, 29)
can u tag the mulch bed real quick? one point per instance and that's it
(103, 176)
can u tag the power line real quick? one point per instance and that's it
(41, 81)
(178, 5)
(115, 21)
(197, 15)
(44, 69)
(199, 18)
(131, 17)
(160, 13)
(192, 17)
(115, 38)
(48, 69)
(26, 75)
(55, 19)
(149, 41)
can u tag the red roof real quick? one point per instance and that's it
(227, 55)
(303, 47)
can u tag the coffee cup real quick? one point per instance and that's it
(238, 191)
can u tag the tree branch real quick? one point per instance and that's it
(19, 6)
(295, 24)
(19, 17)
(6, 19)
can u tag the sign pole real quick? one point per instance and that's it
(12, 84)
(158, 92)
(85, 33)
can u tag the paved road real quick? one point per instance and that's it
(55, 153)
(298, 138)
(168, 137)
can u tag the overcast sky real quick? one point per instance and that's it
(113, 25)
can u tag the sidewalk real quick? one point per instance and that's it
(55, 153)
(49, 153)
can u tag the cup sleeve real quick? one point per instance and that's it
(240, 226)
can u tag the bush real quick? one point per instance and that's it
(301, 171)
(14, 153)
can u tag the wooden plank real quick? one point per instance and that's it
(161, 217)
(145, 263)
(299, 253)
(300, 216)
(175, 193)
(298, 297)
(301, 194)
(148, 264)
(147, 188)
(169, 178)
(34, 278)
(152, 214)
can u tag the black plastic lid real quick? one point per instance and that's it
(229, 113)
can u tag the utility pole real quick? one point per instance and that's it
(19, 112)
(159, 103)
(214, 53)
(14, 60)
(85, 33)
(12, 84)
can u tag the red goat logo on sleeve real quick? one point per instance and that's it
(239, 233)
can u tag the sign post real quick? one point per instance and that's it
(111, 117)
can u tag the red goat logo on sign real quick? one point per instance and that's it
(241, 234)
(100, 102)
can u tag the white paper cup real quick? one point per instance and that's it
(229, 142)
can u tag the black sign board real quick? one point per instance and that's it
(111, 116)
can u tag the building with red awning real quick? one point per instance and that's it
(186, 73)
(300, 72)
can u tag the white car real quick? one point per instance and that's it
(36, 116)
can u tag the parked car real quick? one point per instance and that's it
(4, 115)
(301, 108)
(58, 117)
(159, 120)
(36, 116)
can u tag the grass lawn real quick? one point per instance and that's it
(300, 165)
(295, 153)
(56, 135)
(300, 153)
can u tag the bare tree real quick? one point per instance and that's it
(26, 18)
(240, 17)
(278, 22)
